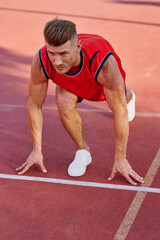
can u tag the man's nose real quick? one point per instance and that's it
(57, 60)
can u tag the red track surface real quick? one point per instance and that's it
(45, 211)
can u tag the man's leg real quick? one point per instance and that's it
(72, 122)
(128, 94)
(70, 117)
(130, 98)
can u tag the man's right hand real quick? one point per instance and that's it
(34, 158)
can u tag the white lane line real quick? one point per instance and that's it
(137, 201)
(147, 114)
(80, 183)
(138, 114)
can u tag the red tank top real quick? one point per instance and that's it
(95, 51)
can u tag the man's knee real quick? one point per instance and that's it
(128, 95)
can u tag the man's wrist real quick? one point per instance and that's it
(120, 156)
(37, 150)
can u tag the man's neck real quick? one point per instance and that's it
(76, 67)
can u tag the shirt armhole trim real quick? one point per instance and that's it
(43, 67)
(101, 64)
(92, 58)
(49, 60)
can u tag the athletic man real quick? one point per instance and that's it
(83, 66)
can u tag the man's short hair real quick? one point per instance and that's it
(58, 31)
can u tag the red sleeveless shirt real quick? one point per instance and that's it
(95, 51)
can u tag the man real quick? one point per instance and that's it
(83, 66)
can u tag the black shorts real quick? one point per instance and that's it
(79, 100)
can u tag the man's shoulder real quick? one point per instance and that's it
(90, 39)
(87, 36)
(36, 65)
(92, 43)
(36, 70)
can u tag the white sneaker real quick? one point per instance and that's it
(78, 167)
(131, 107)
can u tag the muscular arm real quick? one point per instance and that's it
(113, 85)
(114, 91)
(37, 93)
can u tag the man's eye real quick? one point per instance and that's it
(63, 54)
(50, 53)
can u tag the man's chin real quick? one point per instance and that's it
(61, 70)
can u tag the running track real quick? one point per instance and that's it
(54, 206)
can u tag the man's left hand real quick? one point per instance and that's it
(124, 168)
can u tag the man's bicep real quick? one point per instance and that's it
(38, 83)
(37, 93)
(113, 84)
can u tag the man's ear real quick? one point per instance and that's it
(79, 45)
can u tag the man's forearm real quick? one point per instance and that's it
(35, 120)
(121, 130)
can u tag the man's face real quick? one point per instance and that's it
(65, 56)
